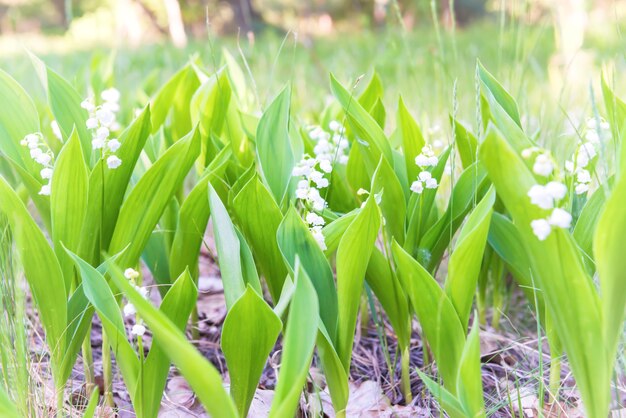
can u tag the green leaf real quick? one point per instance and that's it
(92, 404)
(276, 159)
(171, 105)
(111, 185)
(249, 333)
(227, 243)
(469, 187)
(363, 124)
(336, 375)
(296, 242)
(372, 92)
(353, 255)
(203, 378)
(467, 256)
(41, 269)
(611, 265)
(587, 222)
(496, 92)
(440, 322)
(142, 209)
(16, 121)
(421, 205)
(101, 297)
(176, 305)
(412, 139)
(466, 143)
(65, 103)
(570, 297)
(299, 342)
(193, 217)
(616, 113)
(450, 403)
(259, 217)
(392, 203)
(469, 383)
(7, 407)
(68, 201)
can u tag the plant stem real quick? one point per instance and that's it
(107, 373)
(88, 363)
(555, 376)
(60, 401)
(195, 331)
(406, 375)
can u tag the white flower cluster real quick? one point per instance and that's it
(546, 197)
(41, 153)
(101, 122)
(543, 164)
(308, 192)
(330, 144)
(424, 180)
(586, 152)
(138, 329)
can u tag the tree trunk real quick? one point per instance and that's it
(175, 23)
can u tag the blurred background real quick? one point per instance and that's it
(549, 53)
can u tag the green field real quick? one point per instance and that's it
(389, 222)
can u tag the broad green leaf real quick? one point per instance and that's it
(616, 112)
(392, 203)
(101, 297)
(41, 269)
(249, 333)
(92, 404)
(497, 92)
(227, 243)
(379, 113)
(16, 121)
(363, 124)
(33, 185)
(469, 187)
(259, 217)
(79, 317)
(388, 290)
(276, 159)
(68, 201)
(296, 242)
(176, 305)
(412, 139)
(611, 265)
(558, 271)
(299, 341)
(372, 93)
(65, 103)
(421, 205)
(141, 211)
(7, 407)
(209, 106)
(467, 256)
(450, 403)
(336, 375)
(108, 187)
(466, 143)
(469, 383)
(353, 255)
(440, 322)
(203, 378)
(171, 105)
(193, 217)
(506, 241)
(587, 222)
